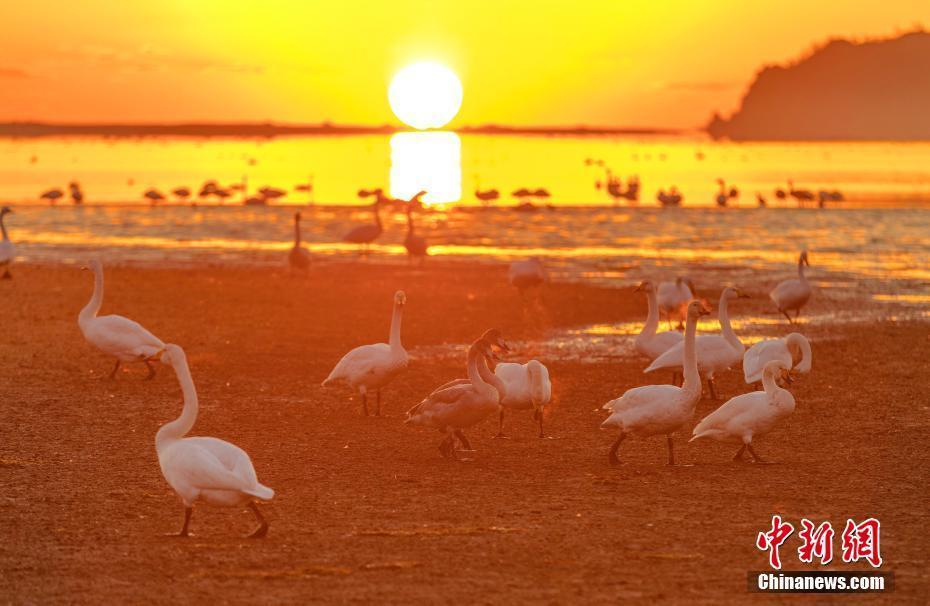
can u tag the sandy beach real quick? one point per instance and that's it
(366, 509)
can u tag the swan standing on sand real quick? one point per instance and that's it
(526, 386)
(452, 408)
(299, 256)
(715, 353)
(7, 248)
(793, 347)
(659, 409)
(527, 274)
(673, 298)
(371, 367)
(648, 342)
(742, 418)
(200, 468)
(120, 337)
(793, 293)
(366, 234)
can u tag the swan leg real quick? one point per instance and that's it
(538, 415)
(447, 446)
(378, 407)
(113, 372)
(797, 314)
(671, 450)
(466, 445)
(262, 529)
(612, 455)
(151, 368)
(755, 457)
(500, 431)
(7, 275)
(187, 522)
(739, 453)
(364, 393)
(710, 386)
(785, 313)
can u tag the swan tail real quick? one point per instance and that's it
(260, 491)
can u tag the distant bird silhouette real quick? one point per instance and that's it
(761, 200)
(77, 196)
(52, 195)
(672, 198)
(306, 188)
(299, 256)
(801, 195)
(209, 188)
(780, 194)
(724, 196)
(527, 274)
(487, 196)
(154, 196)
(366, 234)
(271, 193)
(182, 193)
(416, 245)
(222, 194)
(521, 193)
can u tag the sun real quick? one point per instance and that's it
(425, 95)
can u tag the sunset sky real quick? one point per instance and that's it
(614, 62)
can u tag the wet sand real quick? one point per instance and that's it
(366, 510)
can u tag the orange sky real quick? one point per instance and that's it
(611, 62)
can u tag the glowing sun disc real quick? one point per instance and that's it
(425, 95)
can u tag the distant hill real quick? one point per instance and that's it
(875, 90)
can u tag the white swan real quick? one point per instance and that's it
(371, 367)
(7, 248)
(526, 386)
(673, 298)
(200, 468)
(120, 337)
(793, 293)
(526, 274)
(450, 409)
(299, 256)
(715, 353)
(659, 409)
(742, 418)
(793, 347)
(648, 342)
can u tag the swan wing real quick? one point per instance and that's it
(361, 360)
(760, 354)
(214, 464)
(121, 336)
(7, 252)
(736, 418)
(790, 294)
(711, 350)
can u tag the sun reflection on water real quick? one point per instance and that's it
(430, 162)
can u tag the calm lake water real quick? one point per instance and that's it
(878, 244)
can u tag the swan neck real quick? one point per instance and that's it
(692, 380)
(6, 237)
(801, 275)
(652, 318)
(492, 379)
(769, 384)
(96, 300)
(296, 232)
(725, 328)
(474, 374)
(177, 429)
(394, 340)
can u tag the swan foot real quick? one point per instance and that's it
(756, 458)
(184, 533)
(378, 405)
(262, 531)
(739, 454)
(612, 455)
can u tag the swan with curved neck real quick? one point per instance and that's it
(793, 294)
(649, 342)
(525, 386)
(462, 404)
(366, 234)
(794, 351)
(673, 298)
(744, 417)
(201, 468)
(715, 353)
(299, 256)
(371, 367)
(659, 409)
(7, 248)
(120, 337)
